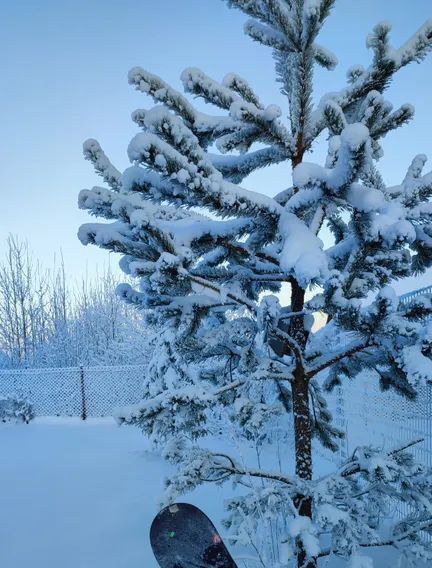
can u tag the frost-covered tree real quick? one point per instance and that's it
(24, 299)
(103, 330)
(212, 256)
(47, 322)
(88, 324)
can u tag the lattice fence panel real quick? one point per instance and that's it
(107, 388)
(66, 391)
(385, 420)
(53, 392)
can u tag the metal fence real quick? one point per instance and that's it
(360, 409)
(76, 391)
(385, 420)
(381, 419)
(405, 298)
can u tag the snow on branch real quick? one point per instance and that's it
(302, 253)
(240, 86)
(94, 153)
(206, 466)
(115, 237)
(169, 412)
(387, 61)
(324, 57)
(236, 168)
(379, 42)
(198, 83)
(148, 148)
(98, 200)
(330, 360)
(267, 121)
(154, 86)
(267, 36)
(236, 96)
(394, 120)
(352, 157)
(314, 14)
(415, 48)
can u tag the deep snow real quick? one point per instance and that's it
(83, 495)
(79, 495)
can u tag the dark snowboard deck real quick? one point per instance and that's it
(182, 536)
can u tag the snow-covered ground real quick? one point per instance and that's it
(79, 495)
(83, 495)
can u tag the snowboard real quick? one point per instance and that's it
(182, 536)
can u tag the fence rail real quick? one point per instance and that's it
(76, 391)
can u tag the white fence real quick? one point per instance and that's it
(360, 409)
(382, 419)
(76, 391)
(369, 416)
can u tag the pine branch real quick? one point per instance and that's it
(236, 168)
(242, 88)
(161, 91)
(386, 63)
(354, 467)
(261, 474)
(198, 83)
(355, 347)
(239, 299)
(268, 36)
(147, 148)
(94, 153)
(391, 542)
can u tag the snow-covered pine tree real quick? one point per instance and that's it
(211, 257)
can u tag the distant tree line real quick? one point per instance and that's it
(47, 321)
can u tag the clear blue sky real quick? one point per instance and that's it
(64, 68)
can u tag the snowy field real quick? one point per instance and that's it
(79, 495)
(83, 495)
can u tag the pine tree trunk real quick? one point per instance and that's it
(303, 453)
(300, 387)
